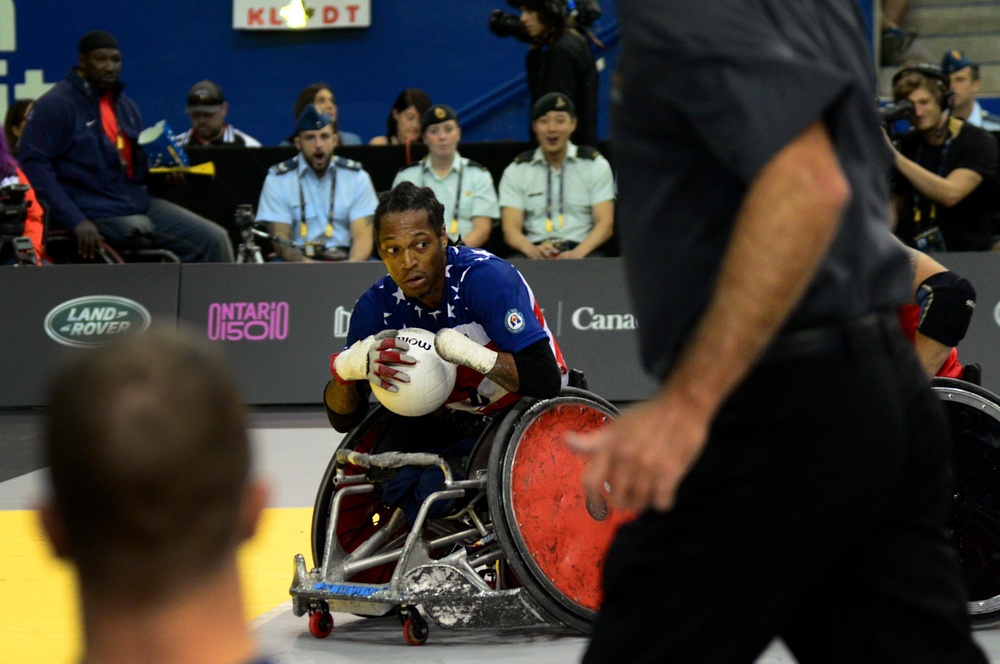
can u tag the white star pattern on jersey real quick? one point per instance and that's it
(480, 292)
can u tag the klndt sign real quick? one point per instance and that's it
(301, 14)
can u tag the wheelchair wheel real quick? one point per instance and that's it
(974, 521)
(553, 538)
(361, 514)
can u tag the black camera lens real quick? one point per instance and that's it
(898, 111)
(505, 24)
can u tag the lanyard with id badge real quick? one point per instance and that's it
(317, 249)
(929, 238)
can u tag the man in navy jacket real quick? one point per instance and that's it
(80, 150)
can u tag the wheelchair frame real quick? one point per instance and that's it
(473, 569)
(459, 569)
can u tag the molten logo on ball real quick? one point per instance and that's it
(431, 378)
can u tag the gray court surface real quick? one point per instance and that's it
(292, 446)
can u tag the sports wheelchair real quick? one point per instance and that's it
(521, 545)
(974, 521)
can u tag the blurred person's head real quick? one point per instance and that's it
(403, 123)
(965, 83)
(929, 94)
(320, 95)
(8, 165)
(207, 108)
(100, 61)
(542, 18)
(13, 122)
(151, 486)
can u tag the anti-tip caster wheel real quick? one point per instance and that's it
(321, 624)
(415, 630)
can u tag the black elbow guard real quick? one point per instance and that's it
(946, 304)
(537, 371)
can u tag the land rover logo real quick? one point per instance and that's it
(87, 322)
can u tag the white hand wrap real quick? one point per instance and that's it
(457, 348)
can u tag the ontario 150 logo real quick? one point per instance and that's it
(95, 320)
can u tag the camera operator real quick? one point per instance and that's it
(560, 59)
(945, 184)
(11, 204)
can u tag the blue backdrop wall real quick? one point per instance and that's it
(442, 46)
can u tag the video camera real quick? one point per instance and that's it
(898, 111)
(13, 214)
(13, 209)
(244, 216)
(583, 12)
(505, 24)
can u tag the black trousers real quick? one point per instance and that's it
(816, 514)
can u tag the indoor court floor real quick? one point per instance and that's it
(38, 611)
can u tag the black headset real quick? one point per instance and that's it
(934, 73)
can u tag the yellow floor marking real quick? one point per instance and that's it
(38, 609)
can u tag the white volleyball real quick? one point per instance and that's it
(431, 378)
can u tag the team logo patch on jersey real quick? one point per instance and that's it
(514, 321)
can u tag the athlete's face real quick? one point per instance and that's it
(927, 114)
(415, 254)
(407, 124)
(442, 138)
(317, 147)
(102, 67)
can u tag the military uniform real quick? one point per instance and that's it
(983, 118)
(557, 204)
(478, 197)
(293, 184)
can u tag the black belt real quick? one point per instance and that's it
(862, 335)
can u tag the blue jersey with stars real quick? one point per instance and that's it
(485, 298)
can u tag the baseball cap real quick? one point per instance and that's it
(204, 97)
(954, 60)
(437, 114)
(553, 101)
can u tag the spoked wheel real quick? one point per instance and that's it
(554, 539)
(974, 521)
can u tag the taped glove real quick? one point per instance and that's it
(457, 348)
(371, 358)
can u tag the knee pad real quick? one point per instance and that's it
(946, 303)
